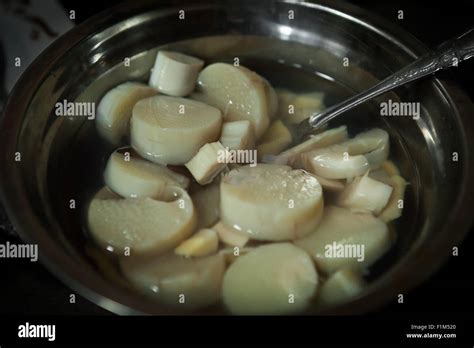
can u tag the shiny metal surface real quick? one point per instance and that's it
(449, 54)
(61, 156)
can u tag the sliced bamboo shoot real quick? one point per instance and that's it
(144, 225)
(237, 135)
(271, 202)
(340, 287)
(230, 236)
(291, 156)
(176, 281)
(203, 243)
(169, 130)
(115, 109)
(238, 92)
(206, 202)
(365, 194)
(208, 162)
(394, 208)
(175, 73)
(273, 279)
(274, 140)
(346, 239)
(130, 176)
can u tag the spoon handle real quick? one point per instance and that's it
(446, 55)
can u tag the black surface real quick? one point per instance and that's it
(27, 288)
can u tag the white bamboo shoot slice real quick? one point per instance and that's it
(144, 225)
(203, 243)
(238, 92)
(169, 130)
(271, 279)
(365, 194)
(330, 184)
(176, 281)
(272, 99)
(271, 202)
(342, 286)
(331, 136)
(208, 162)
(133, 177)
(115, 109)
(394, 208)
(346, 238)
(230, 235)
(237, 135)
(354, 157)
(274, 140)
(175, 73)
(206, 202)
(232, 253)
(295, 108)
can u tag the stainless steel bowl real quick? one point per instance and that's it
(61, 156)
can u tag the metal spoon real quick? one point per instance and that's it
(446, 55)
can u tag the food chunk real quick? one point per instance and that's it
(346, 239)
(133, 177)
(169, 130)
(273, 279)
(115, 110)
(271, 202)
(238, 92)
(175, 73)
(203, 243)
(340, 287)
(274, 140)
(146, 226)
(208, 162)
(176, 281)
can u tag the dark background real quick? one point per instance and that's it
(28, 288)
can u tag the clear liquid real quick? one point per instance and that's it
(93, 154)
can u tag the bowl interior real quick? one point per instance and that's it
(68, 157)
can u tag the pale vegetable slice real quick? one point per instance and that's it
(354, 157)
(177, 281)
(390, 168)
(115, 109)
(237, 135)
(144, 225)
(230, 235)
(381, 175)
(330, 184)
(232, 253)
(169, 130)
(373, 144)
(208, 162)
(130, 176)
(385, 172)
(334, 162)
(272, 99)
(332, 136)
(175, 73)
(296, 108)
(238, 92)
(106, 193)
(274, 140)
(271, 202)
(203, 243)
(271, 279)
(340, 287)
(394, 208)
(365, 194)
(206, 202)
(346, 238)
